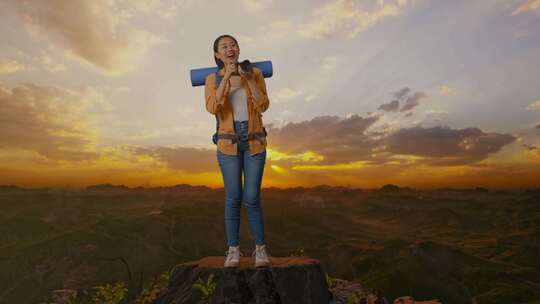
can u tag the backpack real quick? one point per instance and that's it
(215, 136)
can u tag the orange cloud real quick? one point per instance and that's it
(48, 120)
(8, 66)
(527, 6)
(340, 17)
(97, 32)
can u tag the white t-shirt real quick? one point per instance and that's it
(238, 98)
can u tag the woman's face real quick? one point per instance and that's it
(227, 51)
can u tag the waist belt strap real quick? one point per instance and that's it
(237, 137)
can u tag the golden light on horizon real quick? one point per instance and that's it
(278, 169)
(349, 166)
(308, 156)
(403, 159)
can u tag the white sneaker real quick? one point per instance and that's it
(233, 257)
(262, 257)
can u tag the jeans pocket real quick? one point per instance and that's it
(259, 157)
(221, 157)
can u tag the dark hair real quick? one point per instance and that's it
(220, 63)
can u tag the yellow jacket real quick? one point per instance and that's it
(224, 111)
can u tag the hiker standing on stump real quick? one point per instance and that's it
(236, 94)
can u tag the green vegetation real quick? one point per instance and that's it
(150, 293)
(206, 288)
(116, 293)
(357, 296)
(329, 280)
(110, 294)
(451, 245)
(298, 252)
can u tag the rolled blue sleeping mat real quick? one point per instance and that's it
(198, 76)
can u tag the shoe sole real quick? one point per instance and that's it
(262, 264)
(231, 264)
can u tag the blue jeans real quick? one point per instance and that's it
(231, 168)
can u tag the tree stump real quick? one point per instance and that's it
(288, 280)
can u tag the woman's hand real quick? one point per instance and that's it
(230, 69)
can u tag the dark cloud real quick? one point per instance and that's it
(343, 140)
(192, 160)
(401, 93)
(340, 140)
(538, 126)
(409, 102)
(446, 146)
(529, 147)
(391, 106)
(48, 120)
(408, 114)
(412, 101)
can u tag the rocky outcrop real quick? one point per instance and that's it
(289, 280)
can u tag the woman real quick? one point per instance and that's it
(238, 101)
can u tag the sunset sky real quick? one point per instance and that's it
(418, 93)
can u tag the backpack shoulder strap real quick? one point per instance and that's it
(218, 78)
(218, 81)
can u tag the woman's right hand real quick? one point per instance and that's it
(230, 68)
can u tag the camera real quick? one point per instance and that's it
(246, 66)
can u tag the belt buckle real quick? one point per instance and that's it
(243, 137)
